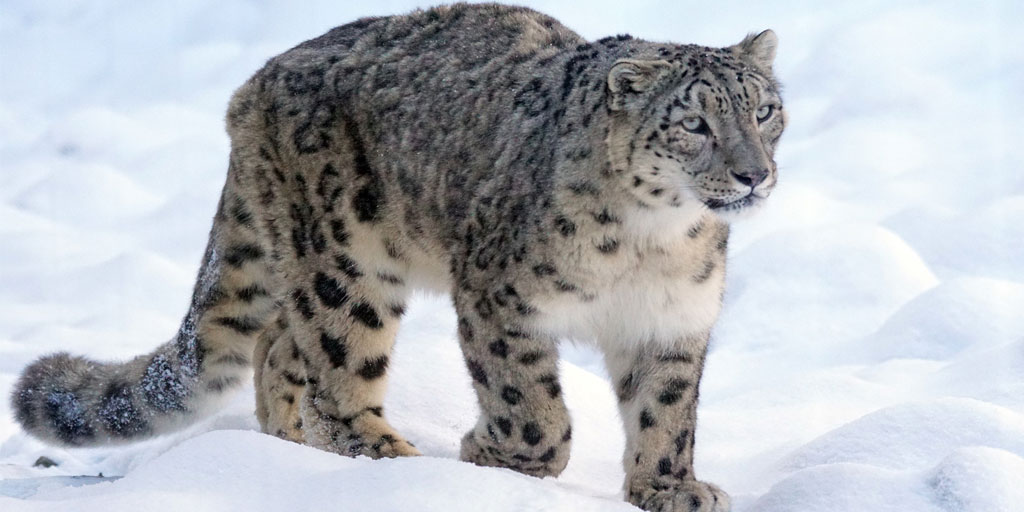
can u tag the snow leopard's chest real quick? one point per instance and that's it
(646, 294)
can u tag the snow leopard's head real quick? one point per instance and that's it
(692, 124)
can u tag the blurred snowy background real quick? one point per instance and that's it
(871, 351)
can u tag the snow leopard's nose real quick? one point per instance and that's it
(750, 177)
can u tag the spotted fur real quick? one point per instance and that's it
(557, 188)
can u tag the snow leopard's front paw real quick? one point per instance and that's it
(482, 453)
(685, 496)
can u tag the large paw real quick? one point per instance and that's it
(685, 496)
(549, 463)
(365, 433)
(376, 447)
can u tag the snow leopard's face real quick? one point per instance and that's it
(704, 125)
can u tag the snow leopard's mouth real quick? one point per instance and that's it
(722, 206)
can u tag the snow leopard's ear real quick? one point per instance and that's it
(629, 78)
(758, 50)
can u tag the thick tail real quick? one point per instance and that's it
(74, 401)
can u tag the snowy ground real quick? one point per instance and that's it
(871, 352)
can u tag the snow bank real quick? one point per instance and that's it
(950, 318)
(244, 471)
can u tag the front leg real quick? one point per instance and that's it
(657, 390)
(523, 424)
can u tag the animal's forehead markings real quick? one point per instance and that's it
(720, 88)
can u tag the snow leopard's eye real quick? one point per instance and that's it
(695, 125)
(764, 113)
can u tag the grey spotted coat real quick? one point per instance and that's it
(556, 188)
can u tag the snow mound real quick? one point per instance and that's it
(979, 478)
(815, 270)
(949, 318)
(850, 488)
(995, 375)
(238, 470)
(993, 232)
(915, 435)
(976, 479)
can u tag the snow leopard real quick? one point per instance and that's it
(556, 188)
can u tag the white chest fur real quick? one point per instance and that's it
(660, 287)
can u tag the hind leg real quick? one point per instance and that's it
(344, 282)
(280, 379)
(348, 290)
(346, 321)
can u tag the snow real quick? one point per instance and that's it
(871, 351)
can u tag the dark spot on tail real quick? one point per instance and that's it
(162, 387)
(118, 413)
(67, 417)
